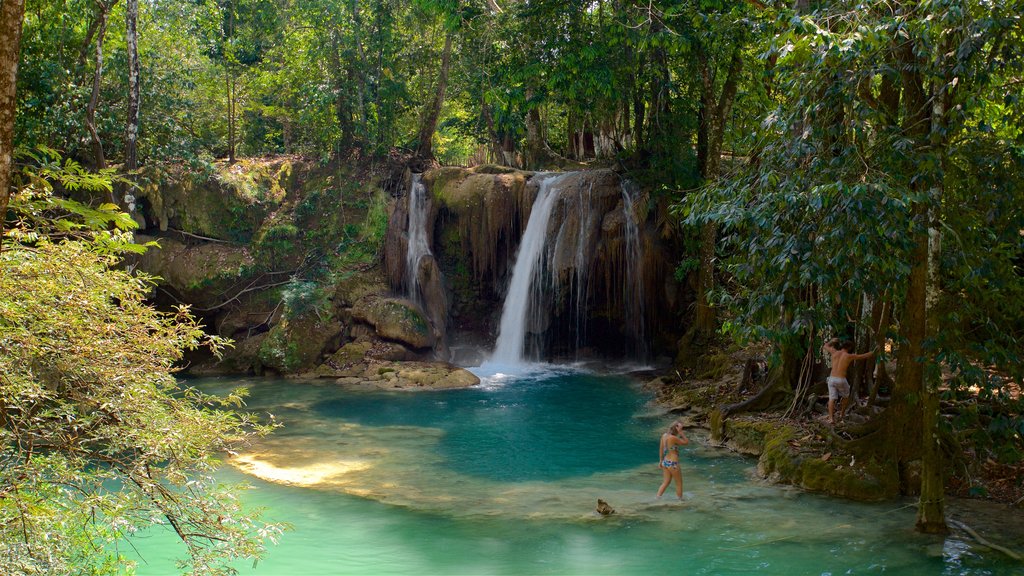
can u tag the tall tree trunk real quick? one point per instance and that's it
(229, 81)
(906, 420)
(538, 155)
(931, 517)
(11, 13)
(342, 108)
(714, 113)
(97, 75)
(433, 111)
(131, 161)
(360, 66)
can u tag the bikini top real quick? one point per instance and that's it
(671, 449)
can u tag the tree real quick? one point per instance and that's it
(844, 200)
(98, 439)
(11, 13)
(102, 15)
(134, 90)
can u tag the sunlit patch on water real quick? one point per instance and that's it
(310, 475)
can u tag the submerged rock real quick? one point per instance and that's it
(398, 375)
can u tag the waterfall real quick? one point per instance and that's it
(633, 290)
(518, 303)
(418, 245)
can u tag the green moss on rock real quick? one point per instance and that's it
(296, 345)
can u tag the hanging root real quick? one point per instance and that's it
(961, 526)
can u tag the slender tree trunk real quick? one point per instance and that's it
(433, 111)
(131, 161)
(931, 517)
(342, 109)
(714, 113)
(97, 75)
(83, 51)
(11, 13)
(537, 153)
(360, 75)
(229, 81)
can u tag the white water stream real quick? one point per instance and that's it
(515, 314)
(419, 246)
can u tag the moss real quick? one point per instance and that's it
(753, 436)
(494, 169)
(715, 366)
(440, 180)
(295, 345)
(834, 473)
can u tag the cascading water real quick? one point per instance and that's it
(634, 289)
(522, 290)
(419, 246)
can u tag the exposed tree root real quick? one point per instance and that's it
(961, 526)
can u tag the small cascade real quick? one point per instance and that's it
(524, 290)
(633, 290)
(419, 245)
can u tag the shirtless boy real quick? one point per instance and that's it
(838, 385)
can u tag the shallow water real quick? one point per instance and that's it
(504, 478)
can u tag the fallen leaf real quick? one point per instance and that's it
(826, 457)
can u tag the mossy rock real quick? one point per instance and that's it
(833, 474)
(494, 169)
(354, 286)
(242, 358)
(200, 273)
(395, 319)
(296, 345)
(442, 178)
(715, 366)
(229, 203)
(412, 376)
(751, 436)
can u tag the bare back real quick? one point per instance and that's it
(841, 360)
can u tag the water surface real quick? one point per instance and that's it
(504, 478)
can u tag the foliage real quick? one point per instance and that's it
(99, 441)
(301, 297)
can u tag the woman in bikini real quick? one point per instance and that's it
(668, 454)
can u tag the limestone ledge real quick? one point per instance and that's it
(393, 375)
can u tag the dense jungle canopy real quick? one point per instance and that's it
(851, 169)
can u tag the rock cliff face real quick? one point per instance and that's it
(281, 256)
(605, 286)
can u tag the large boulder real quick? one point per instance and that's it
(297, 345)
(395, 319)
(197, 273)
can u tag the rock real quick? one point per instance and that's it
(603, 508)
(242, 358)
(230, 205)
(395, 319)
(297, 344)
(198, 274)
(408, 376)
